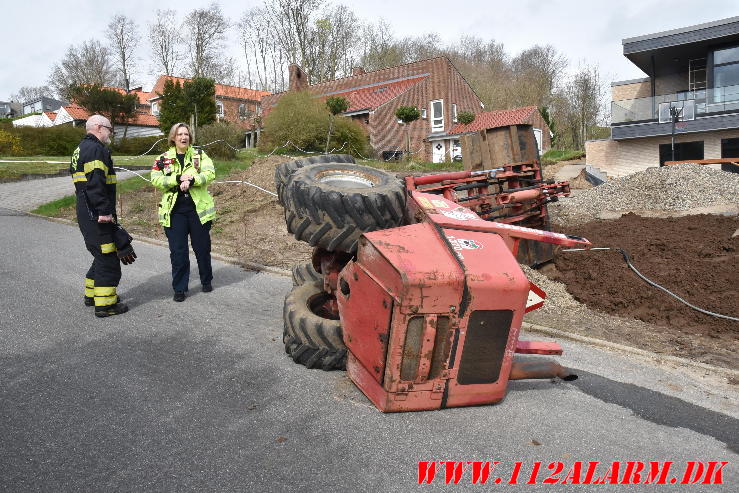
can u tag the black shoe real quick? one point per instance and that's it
(179, 296)
(110, 310)
(207, 288)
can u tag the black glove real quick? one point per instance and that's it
(122, 241)
(126, 255)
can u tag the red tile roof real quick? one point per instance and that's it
(493, 119)
(375, 95)
(77, 112)
(221, 89)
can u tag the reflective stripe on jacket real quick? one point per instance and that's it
(165, 175)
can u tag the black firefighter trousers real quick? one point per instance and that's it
(104, 274)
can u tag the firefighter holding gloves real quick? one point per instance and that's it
(186, 209)
(94, 181)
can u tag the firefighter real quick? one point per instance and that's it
(95, 185)
(186, 209)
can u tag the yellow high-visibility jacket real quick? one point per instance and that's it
(165, 175)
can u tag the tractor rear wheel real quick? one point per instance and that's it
(303, 273)
(312, 335)
(331, 205)
(285, 170)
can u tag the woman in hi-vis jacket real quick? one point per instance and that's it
(187, 209)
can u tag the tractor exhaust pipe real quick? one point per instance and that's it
(523, 370)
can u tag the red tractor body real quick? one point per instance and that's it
(431, 312)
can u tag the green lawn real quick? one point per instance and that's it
(41, 165)
(223, 168)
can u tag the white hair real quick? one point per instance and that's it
(96, 120)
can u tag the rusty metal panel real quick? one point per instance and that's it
(484, 346)
(412, 349)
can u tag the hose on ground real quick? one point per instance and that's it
(627, 258)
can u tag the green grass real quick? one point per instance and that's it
(223, 168)
(555, 155)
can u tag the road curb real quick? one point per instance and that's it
(561, 334)
(252, 266)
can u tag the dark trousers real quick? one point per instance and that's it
(180, 226)
(105, 270)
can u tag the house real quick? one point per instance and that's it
(42, 104)
(238, 105)
(434, 86)
(10, 109)
(695, 72)
(142, 125)
(47, 119)
(528, 115)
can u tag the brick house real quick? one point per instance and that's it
(434, 86)
(528, 115)
(693, 69)
(237, 105)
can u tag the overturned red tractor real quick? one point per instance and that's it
(415, 287)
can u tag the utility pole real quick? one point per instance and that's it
(674, 115)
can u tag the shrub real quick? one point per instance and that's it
(465, 117)
(47, 141)
(134, 146)
(10, 144)
(224, 131)
(304, 120)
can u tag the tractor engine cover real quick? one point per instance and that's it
(431, 317)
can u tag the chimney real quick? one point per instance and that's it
(358, 71)
(298, 78)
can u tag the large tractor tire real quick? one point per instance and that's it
(312, 337)
(331, 205)
(285, 170)
(303, 273)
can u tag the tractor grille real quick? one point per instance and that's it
(412, 348)
(484, 346)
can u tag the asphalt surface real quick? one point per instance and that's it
(200, 396)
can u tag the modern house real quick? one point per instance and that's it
(41, 105)
(691, 89)
(528, 115)
(434, 86)
(238, 105)
(10, 109)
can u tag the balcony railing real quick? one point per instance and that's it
(707, 101)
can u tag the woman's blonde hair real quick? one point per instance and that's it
(173, 132)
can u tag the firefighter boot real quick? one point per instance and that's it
(110, 310)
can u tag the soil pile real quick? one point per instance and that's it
(695, 257)
(680, 188)
(251, 223)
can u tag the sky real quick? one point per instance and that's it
(37, 33)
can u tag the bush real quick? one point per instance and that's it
(304, 120)
(10, 145)
(224, 131)
(135, 146)
(60, 140)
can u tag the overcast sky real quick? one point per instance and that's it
(36, 34)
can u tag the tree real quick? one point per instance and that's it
(165, 39)
(302, 119)
(335, 106)
(407, 114)
(206, 32)
(115, 105)
(578, 107)
(465, 117)
(537, 73)
(123, 35)
(194, 100)
(88, 64)
(28, 93)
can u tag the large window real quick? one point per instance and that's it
(725, 73)
(729, 148)
(437, 115)
(684, 151)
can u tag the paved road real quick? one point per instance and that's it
(200, 396)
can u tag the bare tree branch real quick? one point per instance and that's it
(123, 35)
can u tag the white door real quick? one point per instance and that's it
(537, 134)
(439, 150)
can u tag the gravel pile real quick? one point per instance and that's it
(670, 188)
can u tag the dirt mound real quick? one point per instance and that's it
(251, 224)
(694, 256)
(668, 189)
(580, 182)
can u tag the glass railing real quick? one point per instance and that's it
(707, 101)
